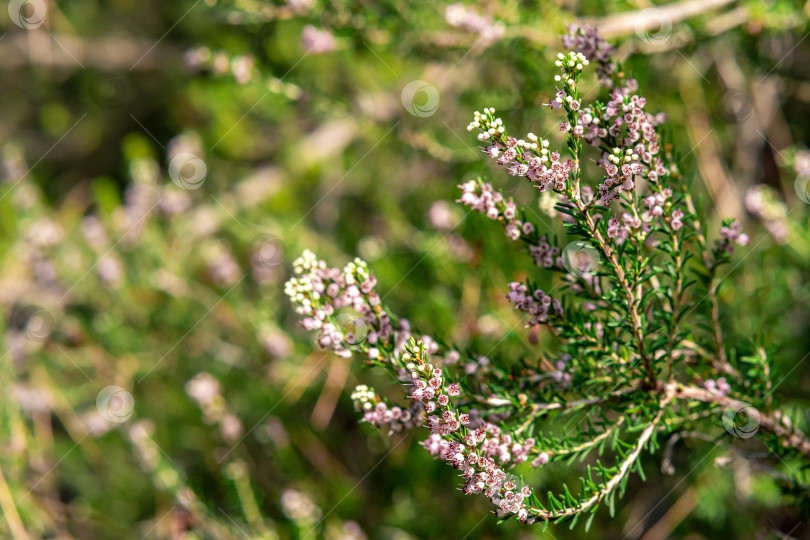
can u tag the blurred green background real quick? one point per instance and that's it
(164, 162)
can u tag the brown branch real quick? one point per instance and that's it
(791, 437)
(629, 22)
(589, 444)
(69, 52)
(632, 300)
(624, 467)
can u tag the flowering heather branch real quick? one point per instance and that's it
(633, 359)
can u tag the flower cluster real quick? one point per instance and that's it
(205, 390)
(317, 41)
(241, 67)
(537, 304)
(655, 208)
(461, 16)
(545, 255)
(377, 413)
(620, 167)
(571, 65)
(486, 448)
(623, 322)
(586, 40)
(562, 374)
(719, 386)
(730, 234)
(428, 388)
(762, 201)
(504, 447)
(484, 199)
(322, 292)
(299, 507)
(620, 230)
(528, 157)
(483, 448)
(624, 125)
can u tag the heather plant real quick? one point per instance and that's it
(639, 360)
(153, 384)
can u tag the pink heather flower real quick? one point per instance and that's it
(433, 444)
(518, 169)
(316, 41)
(443, 400)
(453, 390)
(763, 202)
(719, 387)
(613, 228)
(441, 216)
(544, 255)
(461, 16)
(513, 231)
(537, 304)
(464, 419)
(677, 216)
(522, 514)
(541, 459)
(203, 388)
(730, 235)
(509, 210)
